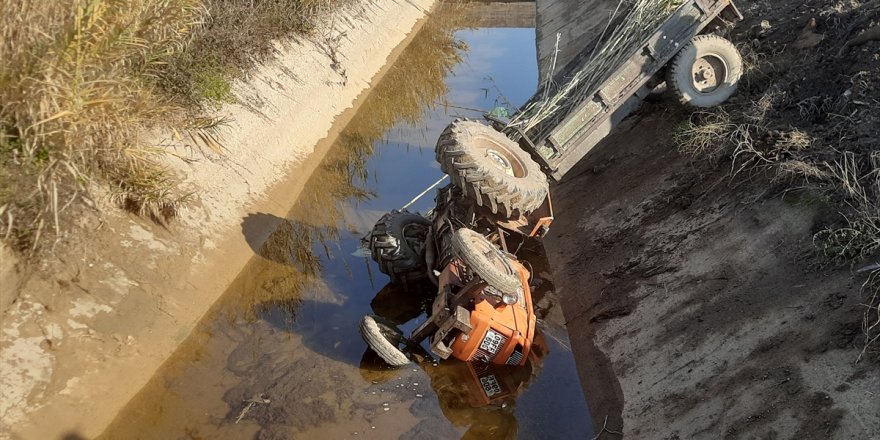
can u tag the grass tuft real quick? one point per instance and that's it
(77, 87)
(704, 133)
(83, 79)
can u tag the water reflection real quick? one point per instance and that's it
(478, 396)
(406, 94)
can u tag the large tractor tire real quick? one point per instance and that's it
(485, 260)
(705, 73)
(385, 339)
(397, 244)
(491, 169)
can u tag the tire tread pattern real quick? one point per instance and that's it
(486, 184)
(504, 280)
(394, 253)
(371, 331)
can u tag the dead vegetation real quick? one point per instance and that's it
(81, 80)
(871, 318)
(76, 88)
(809, 117)
(234, 37)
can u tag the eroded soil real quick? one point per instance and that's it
(697, 303)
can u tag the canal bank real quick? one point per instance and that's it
(90, 326)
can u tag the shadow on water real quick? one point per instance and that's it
(279, 355)
(406, 93)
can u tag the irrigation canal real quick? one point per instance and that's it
(279, 356)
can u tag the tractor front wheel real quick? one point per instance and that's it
(486, 260)
(385, 339)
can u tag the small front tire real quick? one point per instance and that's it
(385, 339)
(485, 260)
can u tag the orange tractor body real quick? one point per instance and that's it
(471, 322)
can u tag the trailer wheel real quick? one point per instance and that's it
(397, 244)
(705, 73)
(385, 339)
(491, 168)
(486, 260)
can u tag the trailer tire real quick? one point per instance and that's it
(705, 72)
(397, 244)
(491, 169)
(486, 260)
(385, 339)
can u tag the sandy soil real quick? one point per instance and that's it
(697, 304)
(91, 325)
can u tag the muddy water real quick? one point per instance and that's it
(280, 356)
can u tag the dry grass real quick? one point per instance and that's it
(236, 36)
(76, 88)
(792, 141)
(82, 79)
(800, 122)
(800, 169)
(704, 133)
(871, 317)
(858, 179)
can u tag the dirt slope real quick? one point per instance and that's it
(697, 304)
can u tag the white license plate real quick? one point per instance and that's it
(492, 342)
(490, 385)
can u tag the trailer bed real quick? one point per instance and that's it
(585, 126)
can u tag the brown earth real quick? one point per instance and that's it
(697, 303)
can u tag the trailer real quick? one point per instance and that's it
(700, 67)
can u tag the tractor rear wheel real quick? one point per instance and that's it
(705, 73)
(491, 168)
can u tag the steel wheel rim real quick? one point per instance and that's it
(501, 158)
(708, 73)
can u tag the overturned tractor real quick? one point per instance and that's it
(466, 246)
